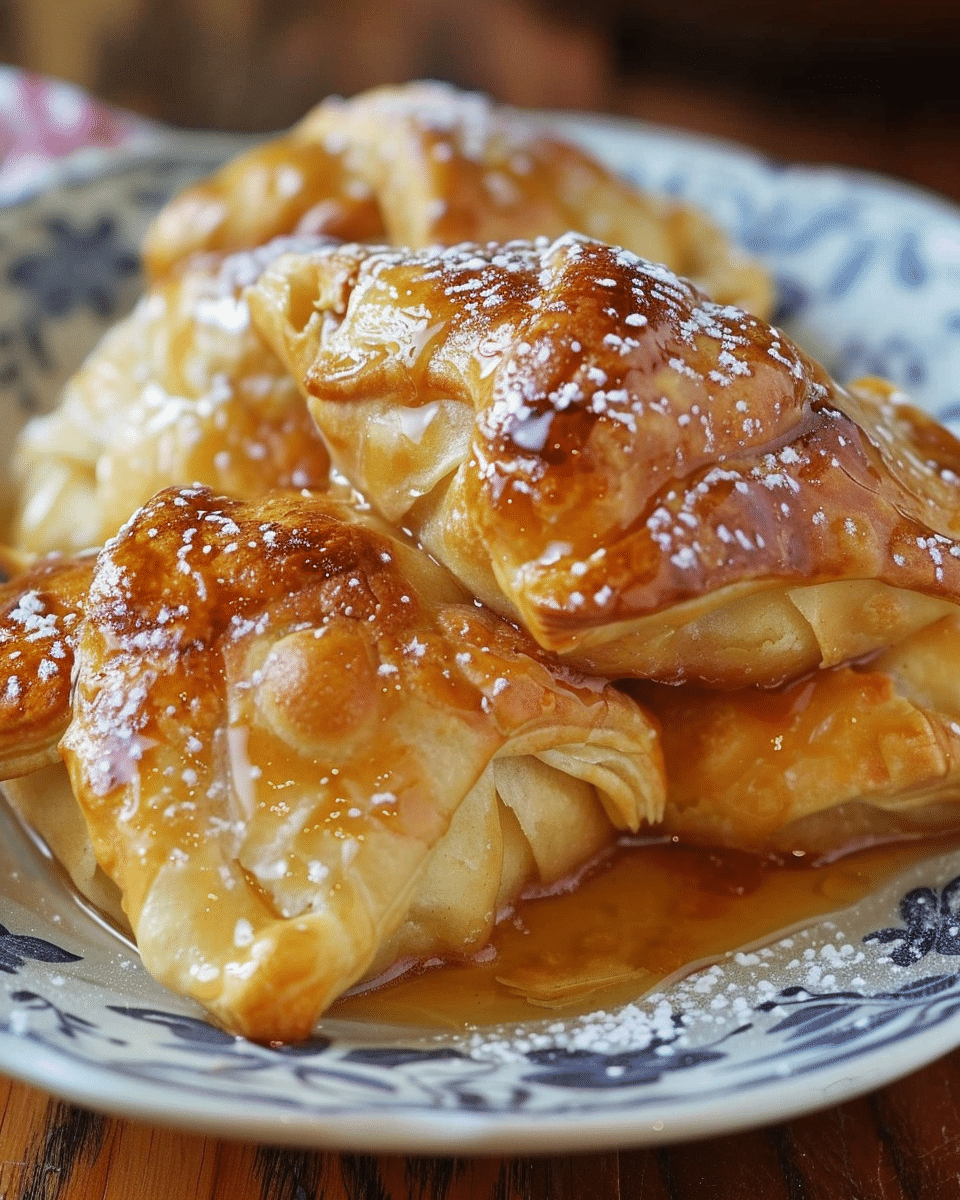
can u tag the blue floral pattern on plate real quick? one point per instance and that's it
(868, 277)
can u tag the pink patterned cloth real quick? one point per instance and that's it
(44, 119)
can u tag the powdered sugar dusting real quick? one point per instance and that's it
(745, 992)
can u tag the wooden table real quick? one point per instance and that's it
(901, 1143)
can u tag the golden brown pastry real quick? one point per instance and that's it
(425, 164)
(303, 753)
(651, 483)
(41, 606)
(181, 391)
(841, 758)
(40, 609)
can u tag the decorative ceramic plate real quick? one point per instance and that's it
(869, 279)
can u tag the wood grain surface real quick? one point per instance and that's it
(901, 1143)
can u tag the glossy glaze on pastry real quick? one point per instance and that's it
(423, 165)
(842, 758)
(651, 483)
(180, 391)
(40, 610)
(303, 753)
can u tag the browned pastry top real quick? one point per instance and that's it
(424, 164)
(283, 713)
(585, 435)
(40, 610)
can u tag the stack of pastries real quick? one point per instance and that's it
(423, 530)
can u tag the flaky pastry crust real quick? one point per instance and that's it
(40, 610)
(842, 758)
(651, 483)
(424, 164)
(303, 752)
(181, 391)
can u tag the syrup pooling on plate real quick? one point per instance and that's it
(638, 919)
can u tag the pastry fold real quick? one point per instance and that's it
(651, 483)
(180, 391)
(424, 164)
(843, 758)
(303, 752)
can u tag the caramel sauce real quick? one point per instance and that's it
(649, 912)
